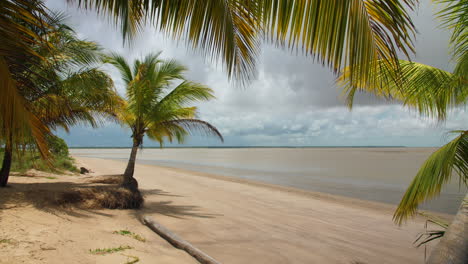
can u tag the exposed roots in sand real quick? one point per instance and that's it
(100, 197)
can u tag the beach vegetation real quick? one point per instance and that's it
(158, 99)
(130, 234)
(66, 88)
(103, 251)
(432, 92)
(131, 259)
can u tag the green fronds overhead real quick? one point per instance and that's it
(338, 33)
(429, 90)
(156, 105)
(20, 22)
(454, 16)
(451, 159)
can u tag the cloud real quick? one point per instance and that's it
(294, 101)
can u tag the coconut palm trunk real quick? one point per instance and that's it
(6, 165)
(453, 247)
(128, 181)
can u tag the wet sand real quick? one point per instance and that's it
(238, 221)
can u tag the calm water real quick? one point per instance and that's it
(376, 174)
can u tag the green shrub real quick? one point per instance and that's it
(57, 146)
(29, 158)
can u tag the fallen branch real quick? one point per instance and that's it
(178, 242)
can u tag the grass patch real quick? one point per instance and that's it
(6, 241)
(51, 178)
(130, 234)
(103, 251)
(131, 259)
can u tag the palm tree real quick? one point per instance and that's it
(432, 92)
(154, 108)
(19, 24)
(68, 86)
(337, 33)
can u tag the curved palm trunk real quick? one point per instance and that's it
(128, 181)
(6, 166)
(453, 247)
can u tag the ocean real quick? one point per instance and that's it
(374, 174)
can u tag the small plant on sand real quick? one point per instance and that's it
(131, 259)
(5, 241)
(130, 234)
(103, 251)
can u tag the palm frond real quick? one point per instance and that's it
(454, 16)
(223, 29)
(185, 92)
(339, 33)
(353, 33)
(20, 20)
(429, 90)
(450, 159)
(121, 64)
(181, 127)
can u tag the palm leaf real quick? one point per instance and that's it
(223, 29)
(355, 32)
(429, 90)
(19, 22)
(454, 16)
(180, 128)
(434, 173)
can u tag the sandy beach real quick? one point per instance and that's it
(237, 222)
(234, 221)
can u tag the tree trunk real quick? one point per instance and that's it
(128, 181)
(453, 247)
(6, 166)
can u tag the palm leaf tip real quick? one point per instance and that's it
(196, 125)
(436, 171)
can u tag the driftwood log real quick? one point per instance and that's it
(178, 242)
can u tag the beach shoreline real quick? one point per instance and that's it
(232, 220)
(236, 220)
(385, 207)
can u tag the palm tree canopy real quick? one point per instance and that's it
(20, 23)
(75, 90)
(156, 109)
(338, 33)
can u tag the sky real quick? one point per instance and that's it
(293, 101)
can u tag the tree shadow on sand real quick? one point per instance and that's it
(168, 208)
(86, 197)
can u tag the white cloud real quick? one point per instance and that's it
(293, 101)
